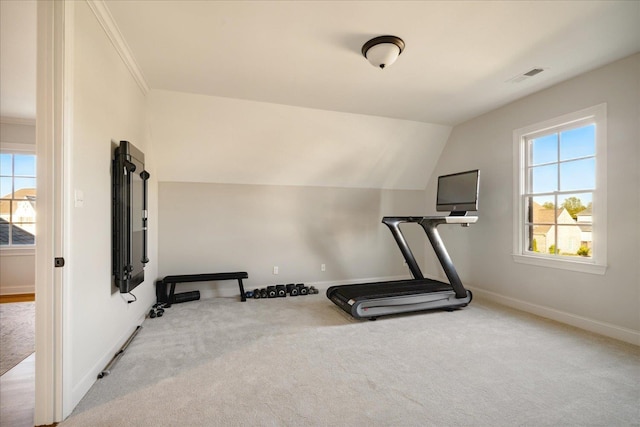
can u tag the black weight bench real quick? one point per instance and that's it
(211, 277)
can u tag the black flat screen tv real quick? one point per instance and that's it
(458, 192)
(129, 227)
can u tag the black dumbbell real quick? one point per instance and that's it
(292, 290)
(281, 291)
(256, 293)
(313, 290)
(263, 293)
(271, 291)
(156, 312)
(302, 289)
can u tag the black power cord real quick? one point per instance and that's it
(133, 300)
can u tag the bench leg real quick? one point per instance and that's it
(242, 295)
(172, 291)
(161, 292)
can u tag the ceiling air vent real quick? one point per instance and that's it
(524, 76)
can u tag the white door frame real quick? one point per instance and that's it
(51, 134)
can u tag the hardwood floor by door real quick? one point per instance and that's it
(17, 394)
(17, 385)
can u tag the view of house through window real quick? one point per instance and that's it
(559, 186)
(17, 199)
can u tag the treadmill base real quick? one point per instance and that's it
(371, 300)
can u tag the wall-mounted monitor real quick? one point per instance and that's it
(129, 227)
(458, 192)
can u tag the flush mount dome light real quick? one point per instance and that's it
(383, 51)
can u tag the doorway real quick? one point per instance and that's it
(18, 199)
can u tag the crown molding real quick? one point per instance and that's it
(105, 18)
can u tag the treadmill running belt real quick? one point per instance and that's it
(387, 289)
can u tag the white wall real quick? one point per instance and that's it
(106, 105)
(608, 303)
(17, 266)
(209, 228)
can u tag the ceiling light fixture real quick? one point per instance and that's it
(383, 51)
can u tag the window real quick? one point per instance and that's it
(560, 205)
(17, 199)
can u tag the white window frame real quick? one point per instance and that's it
(598, 263)
(18, 148)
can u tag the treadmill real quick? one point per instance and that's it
(371, 300)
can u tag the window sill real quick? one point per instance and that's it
(13, 251)
(563, 264)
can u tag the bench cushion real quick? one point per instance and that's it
(205, 277)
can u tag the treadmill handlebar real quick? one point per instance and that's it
(435, 220)
(429, 224)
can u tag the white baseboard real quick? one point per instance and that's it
(607, 329)
(13, 290)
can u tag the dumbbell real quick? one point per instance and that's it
(281, 291)
(292, 289)
(248, 294)
(313, 290)
(256, 293)
(263, 293)
(302, 289)
(271, 291)
(156, 312)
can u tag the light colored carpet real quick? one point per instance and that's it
(303, 362)
(17, 333)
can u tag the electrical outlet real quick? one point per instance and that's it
(275, 269)
(323, 267)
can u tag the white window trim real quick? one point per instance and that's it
(18, 148)
(598, 264)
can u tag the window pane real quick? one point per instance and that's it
(6, 166)
(23, 211)
(5, 210)
(544, 149)
(576, 204)
(544, 179)
(4, 233)
(23, 234)
(539, 238)
(579, 142)
(540, 210)
(5, 188)
(569, 239)
(578, 175)
(24, 188)
(25, 165)
(584, 222)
